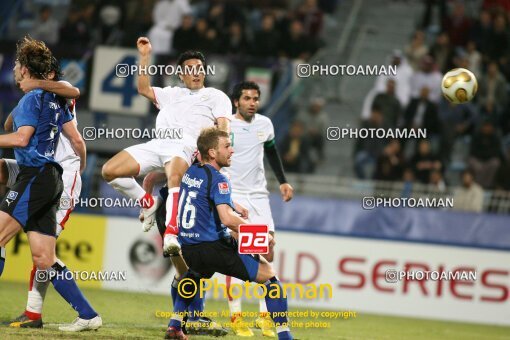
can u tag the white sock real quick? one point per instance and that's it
(234, 304)
(170, 205)
(262, 304)
(36, 294)
(128, 186)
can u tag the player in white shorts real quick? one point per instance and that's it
(252, 137)
(186, 110)
(72, 167)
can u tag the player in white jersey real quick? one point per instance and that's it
(189, 109)
(252, 137)
(72, 166)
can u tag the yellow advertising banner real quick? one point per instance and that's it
(80, 246)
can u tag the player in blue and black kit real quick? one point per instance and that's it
(204, 213)
(32, 202)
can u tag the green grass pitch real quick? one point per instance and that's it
(132, 316)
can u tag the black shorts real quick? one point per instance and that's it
(34, 198)
(222, 257)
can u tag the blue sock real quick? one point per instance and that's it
(196, 308)
(2, 259)
(278, 305)
(180, 306)
(173, 290)
(66, 286)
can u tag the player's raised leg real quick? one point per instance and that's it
(174, 170)
(120, 170)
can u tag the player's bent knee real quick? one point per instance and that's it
(43, 261)
(107, 172)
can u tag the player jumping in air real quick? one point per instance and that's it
(188, 109)
(206, 211)
(252, 137)
(70, 162)
(32, 201)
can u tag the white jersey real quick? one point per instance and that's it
(190, 110)
(246, 171)
(64, 153)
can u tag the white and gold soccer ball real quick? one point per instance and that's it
(459, 85)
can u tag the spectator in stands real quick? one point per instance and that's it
(296, 150)
(212, 43)
(389, 105)
(222, 14)
(267, 40)
(402, 79)
(485, 153)
(493, 91)
(456, 121)
(46, 28)
(424, 162)
(311, 16)
(442, 52)
(428, 19)
(427, 76)
(437, 182)
(474, 59)
(185, 37)
(316, 124)
(367, 150)
(390, 163)
(423, 114)
(138, 19)
(75, 30)
(416, 50)
(499, 41)
(408, 179)
(235, 41)
(296, 45)
(502, 179)
(458, 25)
(111, 15)
(481, 32)
(469, 197)
(167, 17)
(201, 28)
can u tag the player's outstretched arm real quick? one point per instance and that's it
(275, 162)
(18, 139)
(144, 86)
(61, 88)
(71, 132)
(8, 125)
(229, 218)
(241, 210)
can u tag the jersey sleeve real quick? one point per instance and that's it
(270, 130)
(222, 107)
(164, 96)
(221, 191)
(67, 115)
(30, 110)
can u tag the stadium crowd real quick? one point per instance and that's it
(478, 131)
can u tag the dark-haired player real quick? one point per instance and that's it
(190, 109)
(252, 137)
(206, 212)
(32, 201)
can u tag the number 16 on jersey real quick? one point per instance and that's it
(253, 239)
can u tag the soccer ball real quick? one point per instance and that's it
(459, 85)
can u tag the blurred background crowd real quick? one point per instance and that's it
(467, 145)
